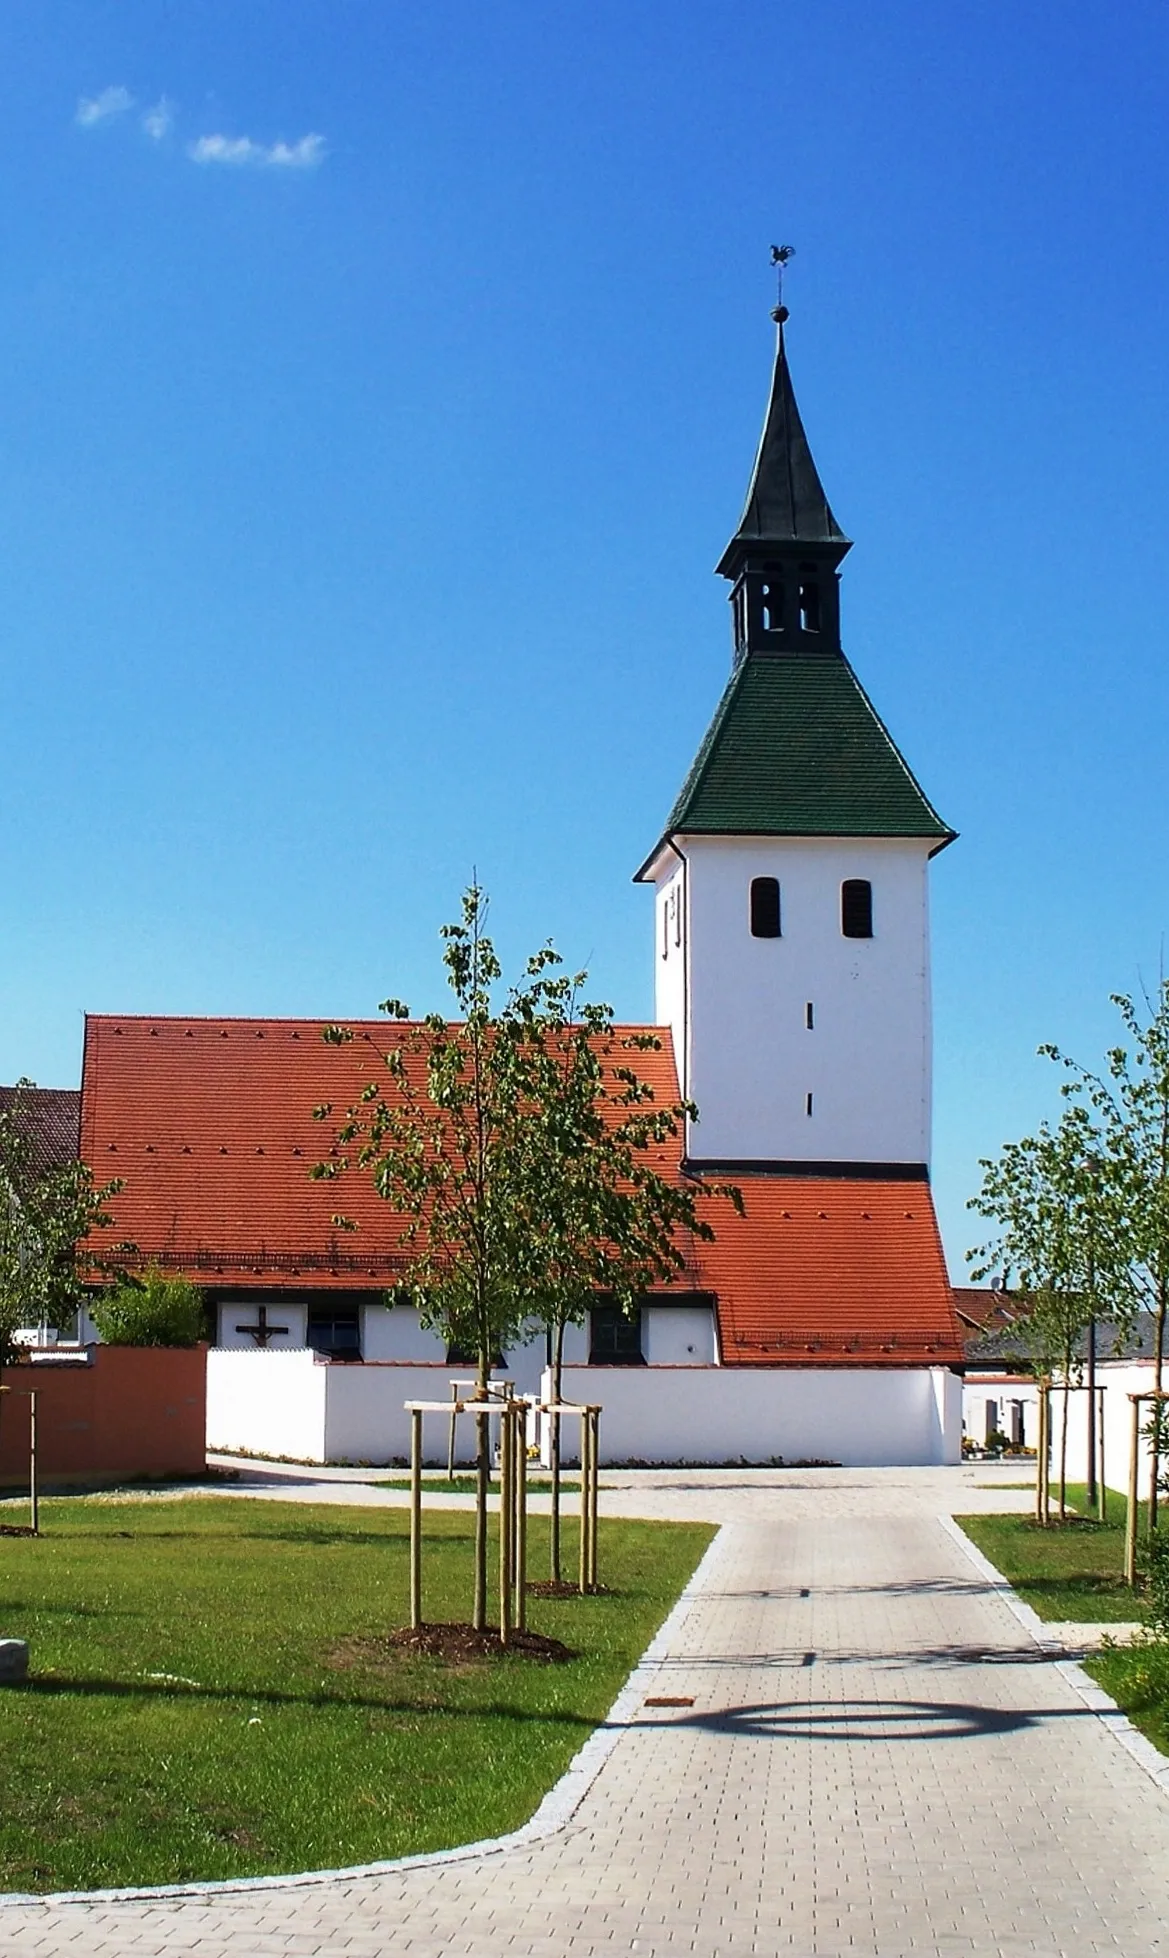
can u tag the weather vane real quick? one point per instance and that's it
(779, 258)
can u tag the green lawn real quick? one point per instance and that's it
(1069, 1570)
(202, 1704)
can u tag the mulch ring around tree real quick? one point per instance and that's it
(555, 1587)
(460, 1644)
(18, 1529)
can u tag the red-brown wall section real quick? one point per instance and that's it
(134, 1410)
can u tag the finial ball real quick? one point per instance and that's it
(779, 314)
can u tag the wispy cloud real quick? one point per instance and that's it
(242, 151)
(157, 122)
(92, 109)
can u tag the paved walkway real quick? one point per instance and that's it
(878, 1761)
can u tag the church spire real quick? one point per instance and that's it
(785, 503)
(784, 555)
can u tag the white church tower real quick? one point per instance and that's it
(792, 918)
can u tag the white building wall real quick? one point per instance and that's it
(393, 1333)
(267, 1403)
(862, 1418)
(679, 1336)
(234, 1313)
(748, 1058)
(671, 956)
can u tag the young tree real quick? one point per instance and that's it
(513, 1150)
(609, 1224)
(1057, 1198)
(1130, 1105)
(46, 1211)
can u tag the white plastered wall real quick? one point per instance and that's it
(860, 1417)
(266, 1403)
(746, 1054)
(237, 1313)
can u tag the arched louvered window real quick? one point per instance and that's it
(856, 907)
(765, 907)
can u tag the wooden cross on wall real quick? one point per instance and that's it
(262, 1332)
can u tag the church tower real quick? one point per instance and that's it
(791, 917)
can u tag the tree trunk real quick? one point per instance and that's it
(1093, 1491)
(1063, 1443)
(482, 1487)
(554, 1452)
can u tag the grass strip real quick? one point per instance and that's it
(213, 1693)
(466, 1485)
(1070, 1570)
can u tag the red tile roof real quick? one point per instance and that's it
(829, 1271)
(209, 1123)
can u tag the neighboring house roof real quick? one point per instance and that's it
(209, 1124)
(828, 1271)
(796, 748)
(52, 1120)
(994, 1329)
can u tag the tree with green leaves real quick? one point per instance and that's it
(1129, 1101)
(1057, 1198)
(46, 1212)
(610, 1225)
(514, 1146)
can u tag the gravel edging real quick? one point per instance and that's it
(555, 1811)
(1102, 1704)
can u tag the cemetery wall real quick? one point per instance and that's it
(114, 1411)
(862, 1417)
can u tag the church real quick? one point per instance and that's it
(792, 1003)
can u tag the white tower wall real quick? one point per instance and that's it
(738, 1005)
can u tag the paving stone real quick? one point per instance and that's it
(927, 1781)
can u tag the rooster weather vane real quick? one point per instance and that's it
(780, 254)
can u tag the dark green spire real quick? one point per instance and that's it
(785, 503)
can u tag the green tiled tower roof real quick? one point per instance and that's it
(796, 748)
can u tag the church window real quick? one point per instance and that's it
(856, 907)
(809, 598)
(615, 1337)
(809, 1016)
(765, 907)
(808, 1105)
(334, 1331)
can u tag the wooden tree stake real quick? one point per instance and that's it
(415, 1517)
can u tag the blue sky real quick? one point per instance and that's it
(379, 385)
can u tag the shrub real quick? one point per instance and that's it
(1156, 1575)
(153, 1310)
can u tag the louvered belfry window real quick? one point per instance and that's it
(856, 907)
(765, 907)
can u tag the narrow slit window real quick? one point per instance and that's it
(809, 1016)
(765, 922)
(856, 908)
(808, 1105)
